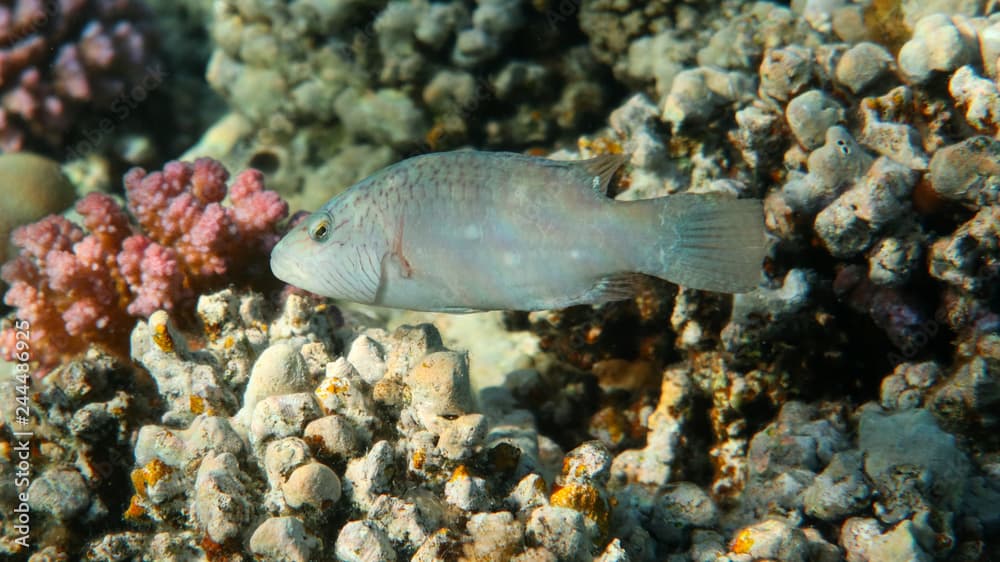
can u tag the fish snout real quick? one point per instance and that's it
(283, 265)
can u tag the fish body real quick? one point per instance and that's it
(466, 230)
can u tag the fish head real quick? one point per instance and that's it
(298, 258)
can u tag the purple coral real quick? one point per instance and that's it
(898, 313)
(63, 57)
(78, 285)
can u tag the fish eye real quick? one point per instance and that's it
(320, 229)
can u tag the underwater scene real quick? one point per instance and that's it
(500, 280)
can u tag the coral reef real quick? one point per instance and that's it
(280, 441)
(337, 91)
(80, 432)
(881, 204)
(83, 284)
(846, 409)
(61, 60)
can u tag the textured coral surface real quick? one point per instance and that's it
(83, 284)
(60, 60)
(845, 409)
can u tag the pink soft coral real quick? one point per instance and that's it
(180, 207)
(77, 287)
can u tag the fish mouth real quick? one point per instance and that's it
(294, 261)
(284, 267)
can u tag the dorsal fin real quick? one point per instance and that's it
(603, 168)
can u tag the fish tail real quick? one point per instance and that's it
(707, 242)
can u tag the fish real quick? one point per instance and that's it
(468, 231)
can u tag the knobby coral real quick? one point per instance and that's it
(60, 58)
(84, 284)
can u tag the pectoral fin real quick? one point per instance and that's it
(393, 265)
(616, 287)
(397, 252)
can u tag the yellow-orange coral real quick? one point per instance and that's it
(148, 475)
(162, 338)
(459, 473)
(199, 405)
(419, 457)
(599, 146)
(135, 510)
(586, 499)
(332, 387)
(743, 542)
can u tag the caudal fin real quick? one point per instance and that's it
(710, 242)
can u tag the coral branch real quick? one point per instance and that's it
(85, 284)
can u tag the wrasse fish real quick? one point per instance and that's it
(464, 231)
